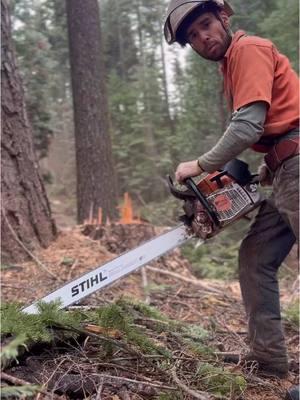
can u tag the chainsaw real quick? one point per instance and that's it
(210, 205)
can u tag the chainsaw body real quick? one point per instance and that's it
(219, 199)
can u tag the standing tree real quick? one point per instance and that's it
(96, 179)
(25, 213)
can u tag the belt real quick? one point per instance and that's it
(282, 151)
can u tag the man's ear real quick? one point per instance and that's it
(225, 18)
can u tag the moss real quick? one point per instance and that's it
(219, 381)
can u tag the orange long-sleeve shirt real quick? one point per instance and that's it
(254, 70)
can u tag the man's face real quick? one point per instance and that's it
(207, 36)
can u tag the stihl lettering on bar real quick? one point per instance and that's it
(86, 284)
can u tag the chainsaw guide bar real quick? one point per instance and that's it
(115, 269)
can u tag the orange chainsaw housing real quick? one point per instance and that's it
(209, 185)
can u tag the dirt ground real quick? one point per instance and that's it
(174, 291)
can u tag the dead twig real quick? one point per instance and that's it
(145, 284)
(19, 382)
(99, 390)
(196, 394)
(134, 381)
(14, 380)
(232, 332)
(195, 282)
(73, 266)
(17, 287)
(255, 380)
(117, 343)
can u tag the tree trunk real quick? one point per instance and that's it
(25, 211)
(96, 179)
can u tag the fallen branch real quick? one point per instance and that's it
(14, 380)
(133, 381)
(19, 382)
(195, 282)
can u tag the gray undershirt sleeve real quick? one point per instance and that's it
(245, 129)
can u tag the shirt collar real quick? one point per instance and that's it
(235, 38)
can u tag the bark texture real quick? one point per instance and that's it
(25, 211)
(96, 180)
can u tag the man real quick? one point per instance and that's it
(263, 92)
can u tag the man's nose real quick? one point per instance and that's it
(203, 36)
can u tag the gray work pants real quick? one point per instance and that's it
(271, 237)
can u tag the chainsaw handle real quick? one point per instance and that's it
(211, 212)
(255, 178)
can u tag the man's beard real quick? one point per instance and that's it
(218, 57)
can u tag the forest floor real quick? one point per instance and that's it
(167, 284)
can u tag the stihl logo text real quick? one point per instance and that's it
(88, 283)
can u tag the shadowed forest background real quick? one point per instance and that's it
(161, 110)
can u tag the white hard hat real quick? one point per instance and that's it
(178, 10)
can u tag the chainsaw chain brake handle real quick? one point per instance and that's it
(191, 185)
(191, 193)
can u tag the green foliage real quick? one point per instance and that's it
(217, 258)
(291, 313)
(67, 261)
(36, 327)
(219, 381)
(155, 288)
(212, 261)
(15, 322)
(195, 337)
(116, 317)
(163, 213)
(282, 26)
(11, 350)
(196, 332)
(142, 308)
(39, 32)
(26, 391)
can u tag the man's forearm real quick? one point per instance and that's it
(245, 129)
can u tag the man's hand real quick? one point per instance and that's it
(187, 170)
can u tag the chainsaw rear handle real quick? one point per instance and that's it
(208, 208)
